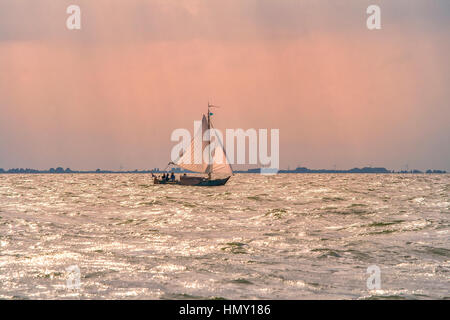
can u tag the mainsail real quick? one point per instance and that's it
(192, 159)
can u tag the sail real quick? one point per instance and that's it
(220, 164)
(192, 158)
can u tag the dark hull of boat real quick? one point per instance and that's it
(213, 183)
(196, 181)
(165, 182)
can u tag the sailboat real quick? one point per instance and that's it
(217, 170)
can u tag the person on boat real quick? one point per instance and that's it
(172, 177)
(155, 179)
(167, 176)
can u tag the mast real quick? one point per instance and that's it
(209, 119)
(209, 145)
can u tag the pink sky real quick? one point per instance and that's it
(110, 95)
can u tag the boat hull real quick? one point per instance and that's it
(213, 183)
(165, 182)
(196, 181)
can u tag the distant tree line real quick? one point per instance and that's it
(67, 170)
(354, 170)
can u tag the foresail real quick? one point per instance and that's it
(220, 163)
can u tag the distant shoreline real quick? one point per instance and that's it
(60, 170)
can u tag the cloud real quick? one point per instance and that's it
(232, 20)
(111, 94)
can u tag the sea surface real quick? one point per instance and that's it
(289, 236)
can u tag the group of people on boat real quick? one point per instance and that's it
(165, 178)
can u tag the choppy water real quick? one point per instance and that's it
(280, 237)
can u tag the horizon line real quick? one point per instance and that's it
(299, 169)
